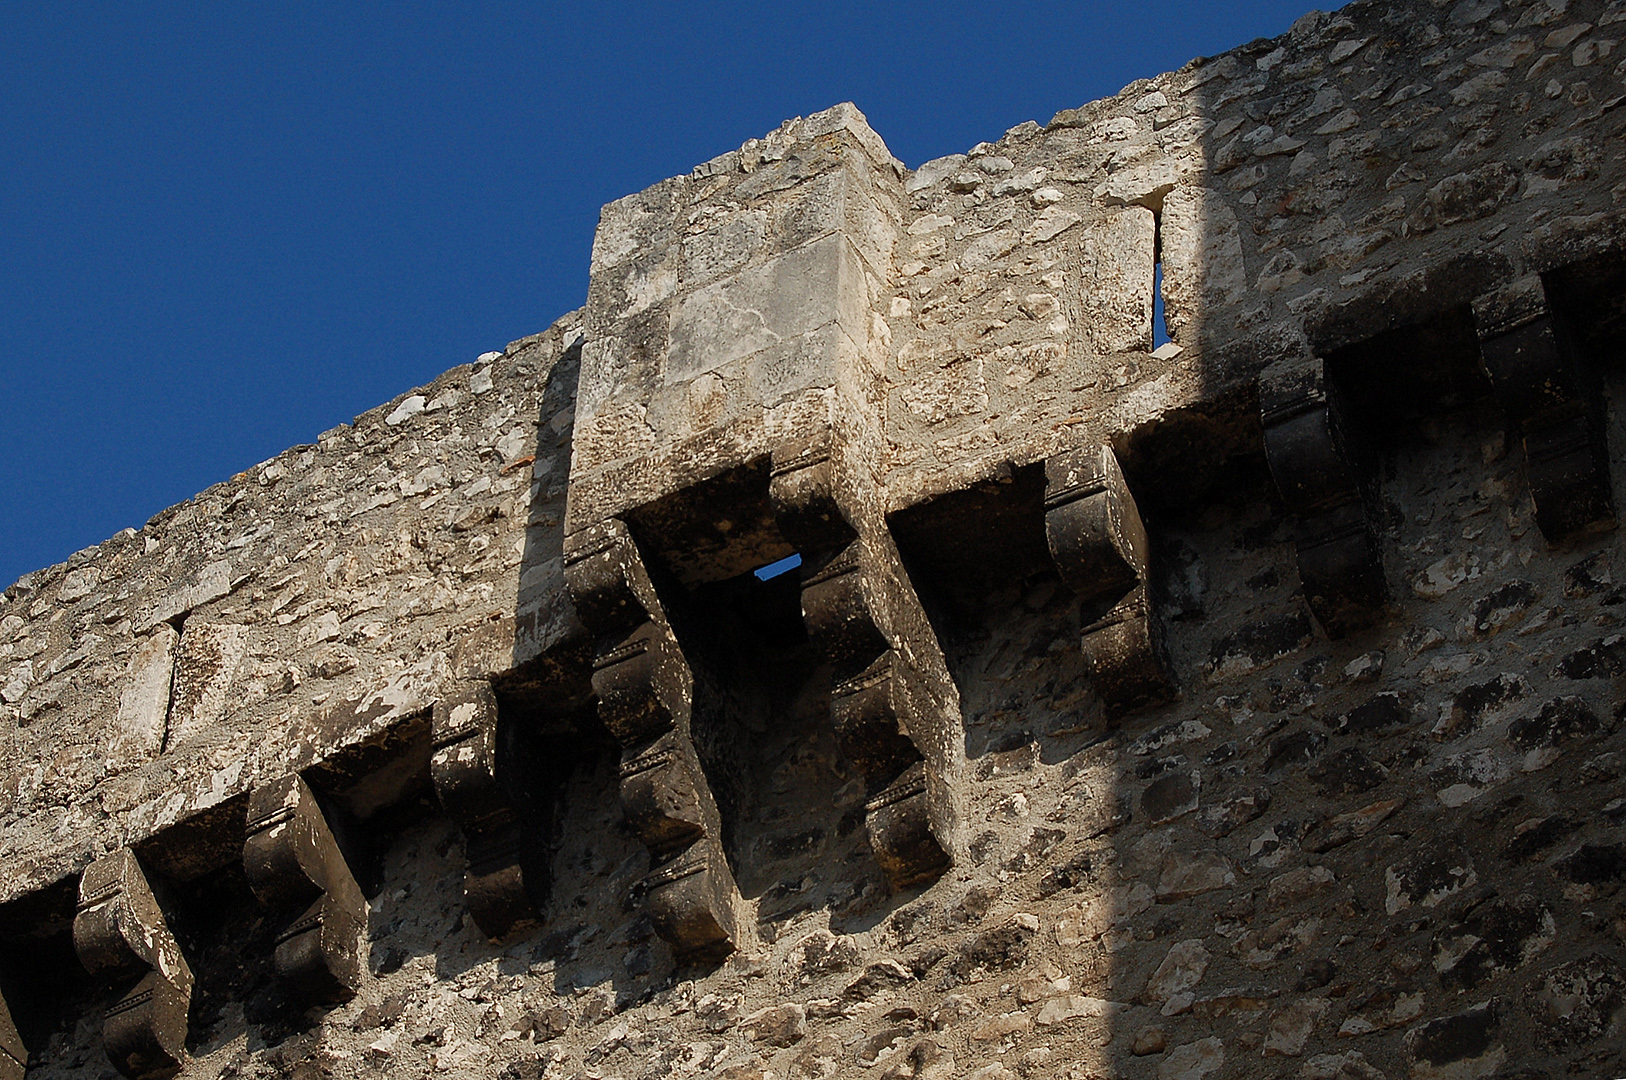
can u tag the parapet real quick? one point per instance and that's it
(854, 611)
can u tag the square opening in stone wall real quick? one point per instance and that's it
(1591, 294)
(1410, 372)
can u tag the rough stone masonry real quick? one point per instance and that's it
(1248, 706)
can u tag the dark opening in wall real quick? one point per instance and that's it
(373, 790)
(799, 842)
(964, 547)
(44, 985)
(229, 942)
(1412, 371)
(792, 807)
(1591, 294)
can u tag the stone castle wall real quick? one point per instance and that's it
(1245, 706)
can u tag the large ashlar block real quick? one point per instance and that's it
(1549, 389)
(124, 941)
(138, 728)
(768, 308)
(1118, 256)
(206, 666)
(1204, 274)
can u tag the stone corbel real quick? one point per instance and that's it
(894, 711)
(1099, 544)
(476, 767)
(1324, 479)
(295, 867)
(645, 691)
(13, 1057)
(123, 940)
(1547, 387)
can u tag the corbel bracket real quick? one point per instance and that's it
(295, 867)
(893, 708)
(645, 691)
(1100, 547)
(1547, 387)
(123, 940)
(478, 769)
(1324, 478)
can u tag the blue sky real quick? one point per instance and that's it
(225, 228)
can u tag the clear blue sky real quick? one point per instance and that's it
(225, 228)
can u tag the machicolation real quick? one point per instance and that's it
(1247, 706)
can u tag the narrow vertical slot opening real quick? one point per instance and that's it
(1160, 328)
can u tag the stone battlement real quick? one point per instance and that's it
(1246, 703)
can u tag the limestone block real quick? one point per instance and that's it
(765, 307)
(211, 583)
(640, 222)
(1118, 255)
(206, 666)
(138, 728)
(1204, 274)
(724, 246)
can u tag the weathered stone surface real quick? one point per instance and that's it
(143, 713)
(124, 941)
(1164, 776)
(296, 868)
(1465, 1046)
(207, 661)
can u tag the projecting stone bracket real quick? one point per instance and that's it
(479, 768)
(295, 867)
(124, 941)
(13, 1057)
(645, 691)
(891, 704)
(1323, 477)
(1547, 387)
(1100, 547)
